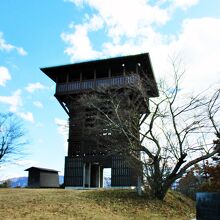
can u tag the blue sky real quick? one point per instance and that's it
(36, 34)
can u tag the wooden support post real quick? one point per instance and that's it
(84, 174)
(94, 79)
(123, 66)
(94, 74)
(99, 177)
(67, 77)
(109, 72)
(89, 185)
(137, 68)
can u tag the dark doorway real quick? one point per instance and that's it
(95, 175)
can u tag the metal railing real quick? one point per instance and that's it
(74, 87)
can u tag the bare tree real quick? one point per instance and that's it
(174, 136)
(213, 114)
(11, 138)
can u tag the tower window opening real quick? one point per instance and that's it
(88, 74)
(102, 72)
(62, 78)
(73, 77)
(117, 70)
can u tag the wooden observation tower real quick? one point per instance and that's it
(84, 163)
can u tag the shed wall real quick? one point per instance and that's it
(34, 178)
(49, 179)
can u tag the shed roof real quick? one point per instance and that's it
(42, 169)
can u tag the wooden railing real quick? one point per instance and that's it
(75, 87)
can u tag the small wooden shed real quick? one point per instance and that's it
(42, 178)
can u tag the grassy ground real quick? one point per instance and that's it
(91, 204)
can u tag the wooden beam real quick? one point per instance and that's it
(64, 107)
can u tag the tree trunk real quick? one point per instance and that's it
(159, 191)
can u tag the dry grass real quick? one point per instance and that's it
(90, 204)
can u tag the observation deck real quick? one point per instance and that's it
(94, 84)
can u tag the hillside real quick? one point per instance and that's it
(90, 204)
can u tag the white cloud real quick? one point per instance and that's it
(27, 163)
(14, 101)
(41, 141)
(28, 116)
(129, 25)
(39, 125)
(32, 87)
(16, 169)
(126, 17)
(4, 75)
(121, 19)
(10, 172)
(76, 2)
(62, 127)
(38, 104)
(80, 44)
(95, 23)
(184, 4)
(199, 42)
(21, 51)
(4, 46)
(135, 29)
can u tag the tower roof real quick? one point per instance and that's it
(144, 59)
